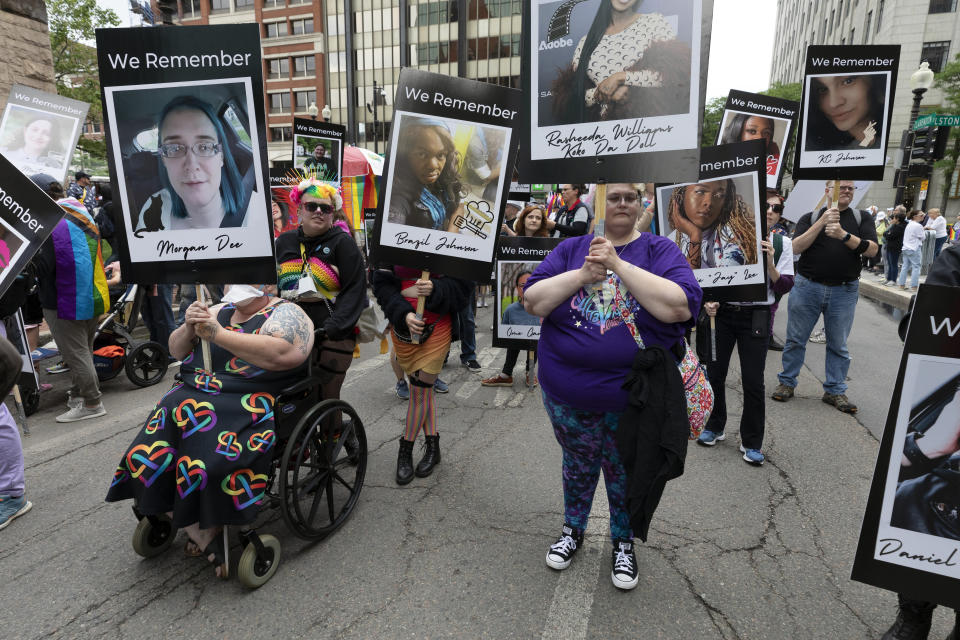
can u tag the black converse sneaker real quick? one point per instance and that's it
(625, 574)
(561, 552)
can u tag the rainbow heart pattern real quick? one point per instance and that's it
(192, 416)
(262, 441)
(245, 487)
(207, 382)
(188, 359)
(260, 406)
(191, 476)
(156, 421)
(228, 445)
(242, 368)
(173, 389)
(120, 475)
(148, 462)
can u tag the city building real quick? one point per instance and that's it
(346, 55)
(27, 41)
(925, 30)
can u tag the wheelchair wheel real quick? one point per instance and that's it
(320, 481)
(150, 540)
(255, 569)
(146, 364)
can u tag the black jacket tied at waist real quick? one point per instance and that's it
(652, 434)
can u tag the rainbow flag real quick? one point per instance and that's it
(81, 282)
(359, 193)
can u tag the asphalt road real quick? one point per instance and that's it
(734, 551)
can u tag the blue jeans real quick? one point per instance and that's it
(893, 264)
(807, 301)
(468, 329)
(938, 246)
(911, 263)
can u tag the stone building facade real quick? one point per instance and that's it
(24, 47)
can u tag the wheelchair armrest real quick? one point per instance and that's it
(298, 388)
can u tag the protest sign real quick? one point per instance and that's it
(27, 218)
(718, 222)
(283, 213)
(318, 149)
(753, 116)
(614, 106)
(846, 109)
(451, 154)
(185, 133)
(810, 195)
(517, 258)
(39, 131)
(910, 538)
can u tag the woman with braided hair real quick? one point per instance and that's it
(714, 226)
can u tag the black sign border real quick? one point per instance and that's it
(547, 244)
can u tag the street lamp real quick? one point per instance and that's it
(312, 110)
(920, 81)
(379, 97)
(326, 113)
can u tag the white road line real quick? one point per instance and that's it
(569, 613)
(355, 372)
(517, 400)
(503, 394)
(468, 389)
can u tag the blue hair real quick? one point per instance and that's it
(231, 184)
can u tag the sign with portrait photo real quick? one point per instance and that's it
(39, 131)
(753, 116)
(718, 222)
(27, 218)
(184, 121)
(452, 149)
(517, 259)
(813, 195)
(282, 211)
(910, 538)
(612, 99)
(318, 149)
(846, 111)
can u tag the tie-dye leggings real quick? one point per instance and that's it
(587, 440)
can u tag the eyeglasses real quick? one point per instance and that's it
(776, 208)
(202, 149)
(614, 199)
(850, 189)
(322, 206)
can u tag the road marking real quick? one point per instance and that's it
(487, 355)
(517, 400)
(468, 389)
(355, 372)
(503, 394)
(569, 613)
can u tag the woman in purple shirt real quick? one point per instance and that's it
(587, 347)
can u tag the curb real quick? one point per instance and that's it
(893, 296)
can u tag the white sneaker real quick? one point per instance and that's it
(82, 413)
(625, 574)
(73, 403)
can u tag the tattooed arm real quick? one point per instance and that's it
(283, 343)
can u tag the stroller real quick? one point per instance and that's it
(115, 349)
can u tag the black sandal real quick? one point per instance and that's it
(219, 551)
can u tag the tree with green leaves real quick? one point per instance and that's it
(948, 81)
(72, 23)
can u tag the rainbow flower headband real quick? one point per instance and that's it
(308, 184)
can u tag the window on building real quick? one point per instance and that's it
(433, 13)
(304, 99)
(219, 5)
(280, 102)
(299, 27)
(304, 66)
(433, 53)
(942, 6)
(335, 25)
(276, 29)
(293, 2)
(190, 9)
(337, 61)
(244, 4)
(501, 8)
(936, 54)
(281, 134)
(271, 4)
(278, 68)
(233, 120)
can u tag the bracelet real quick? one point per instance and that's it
(862, 247)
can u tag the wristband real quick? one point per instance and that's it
(846, 237)
(862, 247)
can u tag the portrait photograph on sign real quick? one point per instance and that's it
(318, 149)
(39, 130)
(847, 102)
(282, 211)
(910, 538)
(600, 87)
(517, 259)
(718, 222)
(12, 244)
(752, 116)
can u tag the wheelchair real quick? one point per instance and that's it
(316, 476)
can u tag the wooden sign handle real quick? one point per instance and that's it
(204, 345)
(421, 303)
(835, 202)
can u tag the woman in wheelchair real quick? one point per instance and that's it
(203, 455)
(320, 267)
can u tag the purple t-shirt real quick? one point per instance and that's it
(585, 350)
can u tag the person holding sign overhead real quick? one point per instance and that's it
(427, 188)
(203, 188)
(587, 348)
(397, 289)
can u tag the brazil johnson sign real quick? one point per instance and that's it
(845, 121)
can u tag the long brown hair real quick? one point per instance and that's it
(734, 214)
(520, 230)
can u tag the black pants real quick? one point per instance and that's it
(735, 327)
(511, 361)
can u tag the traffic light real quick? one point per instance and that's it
(930, 143)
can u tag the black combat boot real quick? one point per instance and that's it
(405, 462)
(913, 620)
(431, 457)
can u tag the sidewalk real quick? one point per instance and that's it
(894, 296)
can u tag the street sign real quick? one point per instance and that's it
(933, 120)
